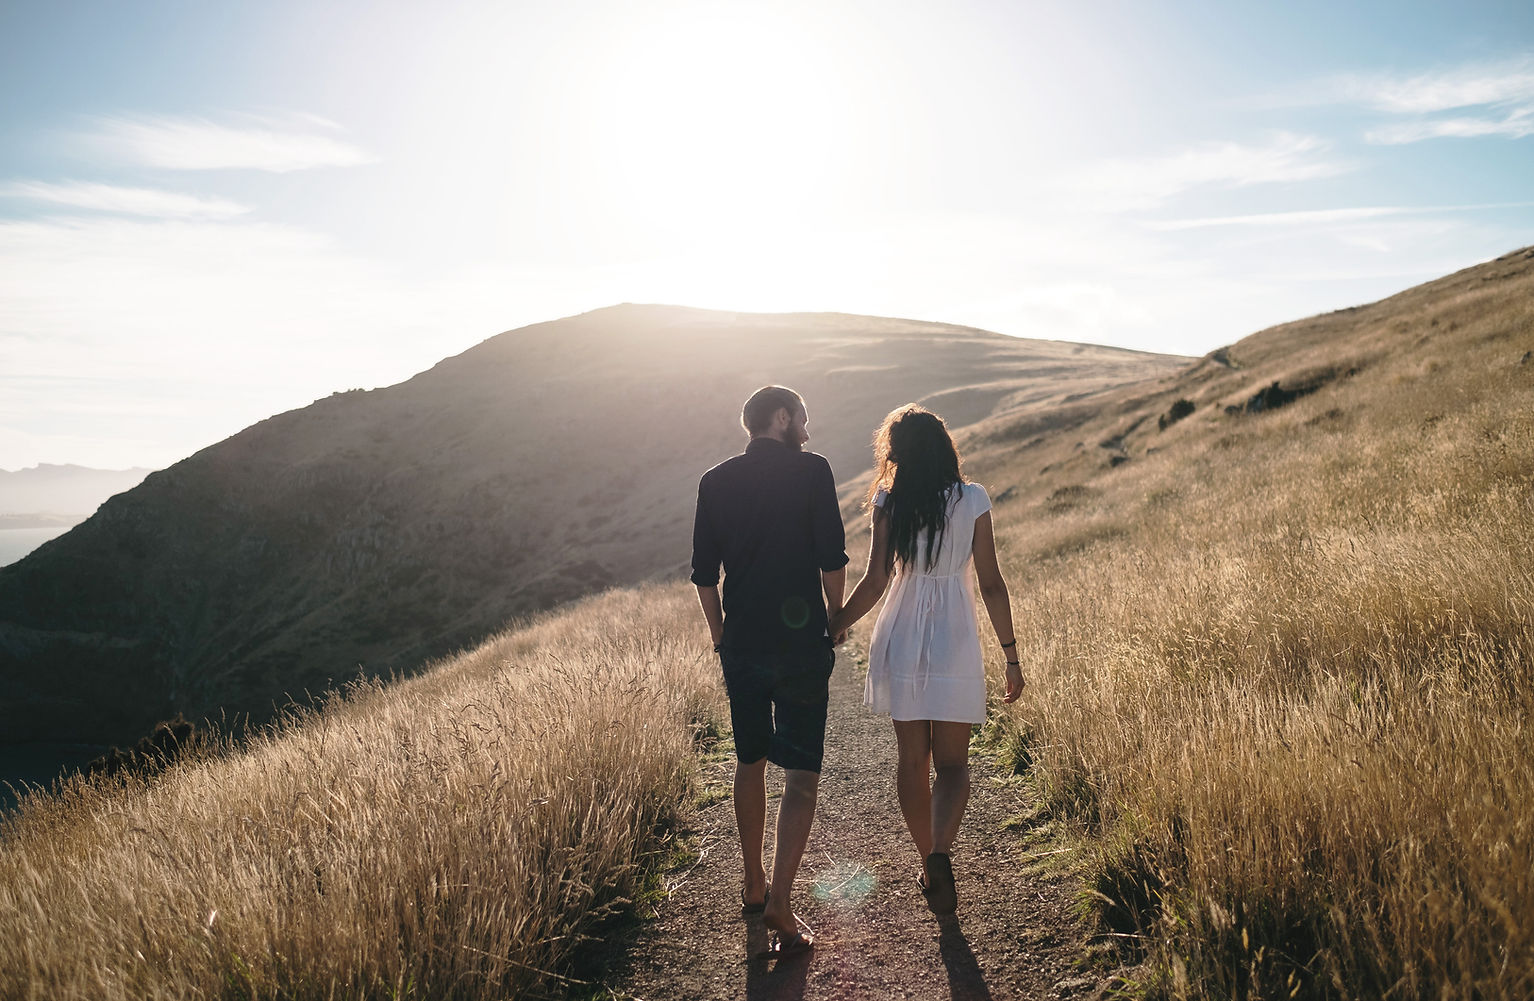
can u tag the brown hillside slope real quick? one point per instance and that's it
(1400, 341)
(383, 528)
(1283, 659)
(454, 835)
(1281, 682)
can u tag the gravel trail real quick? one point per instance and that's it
(1014, 936)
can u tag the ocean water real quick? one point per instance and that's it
(18, 542)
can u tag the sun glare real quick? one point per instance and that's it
(717, 121)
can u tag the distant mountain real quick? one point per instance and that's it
(42, 494)
(380, 529)
(45, 501)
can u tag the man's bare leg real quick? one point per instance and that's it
(751, 821)
(796, 814)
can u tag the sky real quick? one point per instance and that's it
(211, 212)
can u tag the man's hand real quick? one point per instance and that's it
(838, 635)
(713, 613)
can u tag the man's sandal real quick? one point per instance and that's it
(746, 908)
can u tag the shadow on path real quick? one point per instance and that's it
(773, 980)
(965, 981)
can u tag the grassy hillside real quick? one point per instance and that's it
(1283, 662)
(381, 529)
(453, 836)
(1281, 668)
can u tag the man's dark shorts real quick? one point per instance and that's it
(778, 704)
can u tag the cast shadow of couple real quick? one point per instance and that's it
(786, 978)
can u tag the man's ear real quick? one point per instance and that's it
(781, 419)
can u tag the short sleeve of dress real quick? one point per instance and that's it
(882, 496)
(979, 501)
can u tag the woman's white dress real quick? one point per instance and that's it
(924, 656)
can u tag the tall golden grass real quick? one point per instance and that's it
(1282, 679)
(1283, 673)
(455, 836)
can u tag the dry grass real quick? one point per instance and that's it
(454, 836)
(1283, 674)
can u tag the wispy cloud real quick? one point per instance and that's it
(1324, 217)
(1515, 125)
(1468, 86)
(277, 145)
(1490, 99)
(1310, 217)
(1147, 181)
(124, 201)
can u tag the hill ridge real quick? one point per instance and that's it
(1279, 665)
(380, 529)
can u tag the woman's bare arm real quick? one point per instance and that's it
(875, 579)
(998, 602)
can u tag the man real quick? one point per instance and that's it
(770, 516)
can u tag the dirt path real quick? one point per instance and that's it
(1014, 936)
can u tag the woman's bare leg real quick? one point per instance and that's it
(913, 780)
(950, 790)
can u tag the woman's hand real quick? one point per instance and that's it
(1015, 683)
(838, 626)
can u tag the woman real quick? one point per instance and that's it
(924, 662)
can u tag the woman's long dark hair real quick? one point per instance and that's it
(916, 461)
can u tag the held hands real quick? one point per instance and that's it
(838, 626)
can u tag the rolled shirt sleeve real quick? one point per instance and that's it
(826, 521)
(706, 555)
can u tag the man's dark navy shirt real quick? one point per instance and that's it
(770, 516)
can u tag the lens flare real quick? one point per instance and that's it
(845, 884)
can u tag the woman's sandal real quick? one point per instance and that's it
(938, 886)
(781, 945)
(746, 908)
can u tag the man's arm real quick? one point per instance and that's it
(834, 582)
(830, 539)
(830, 535)
(713, 612)
(705, 570)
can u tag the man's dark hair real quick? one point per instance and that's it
(756, 415)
